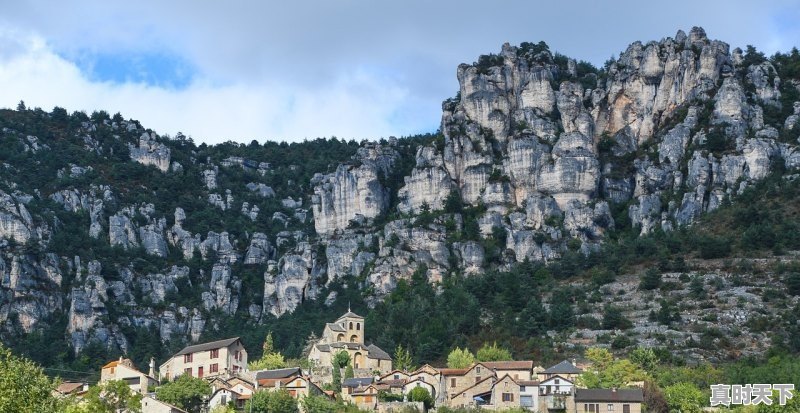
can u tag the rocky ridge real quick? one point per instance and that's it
(538, 154)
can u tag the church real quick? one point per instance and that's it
(347, 333)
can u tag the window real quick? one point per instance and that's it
(526, 401)
(214, 368)
(452, 382)
(556, 381)
(626, 408)
(187, 371)
(200, 371)
(237, 355)
(508, 397)
(358, 326)
(477, 379)
(522, 389)
(215, 353)
(610, 407)
(187, 358)
(351, 325)
(478, 370)
(397, 377)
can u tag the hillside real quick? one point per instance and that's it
(560, 205)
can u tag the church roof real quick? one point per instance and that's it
(336, 327)
(376, 352)
(350, 314)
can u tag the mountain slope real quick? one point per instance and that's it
(552, 186)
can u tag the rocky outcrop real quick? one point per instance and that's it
(353, 192)
(224, 289)
(15, 222)
(292, 281)
(260, 250)
(151, 152)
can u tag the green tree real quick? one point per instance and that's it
(421, 394)
(341, 359)
(645, 358)
(607, 372)
(185, 392)
(460, 358)
(685, 398)
(348, 372)
(614, 319)
(112, 397)
(402, 359)
(650, 280)
(493, 353)
(24, 387)
(696, 287)
(271, 401)
(270, 359)
(319, 404)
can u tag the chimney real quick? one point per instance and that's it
(152, 372)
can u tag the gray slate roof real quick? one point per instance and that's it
(376, 353)
(350, 314)
(564, 367)
(278, 373)
(207, 346)
(609, 395)
(336, 327)
(357, 382)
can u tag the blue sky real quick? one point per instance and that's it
(292, 70)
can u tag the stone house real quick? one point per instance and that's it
(223, 357)
(352, 385)
(608, 401)
(123, 369)
(365, 397)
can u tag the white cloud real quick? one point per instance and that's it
(358, 105)
(350, 68)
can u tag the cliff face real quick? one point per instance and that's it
(536, 153)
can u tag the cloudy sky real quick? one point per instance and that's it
(244, 70)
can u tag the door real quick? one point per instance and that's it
(200, 371)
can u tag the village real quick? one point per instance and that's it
(370, 382)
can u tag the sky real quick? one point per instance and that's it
(292, 70)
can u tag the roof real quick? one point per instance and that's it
(377, 353)
(426, 368)
(393, 382)
(111, 364)
(509, 365)
(350, 314)
(564, 367)
(528, 383)
(357, 381)
(277, 373)
(207, 346)
(335, 327)
(453, 372)
(68, 387)
(609, 395)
